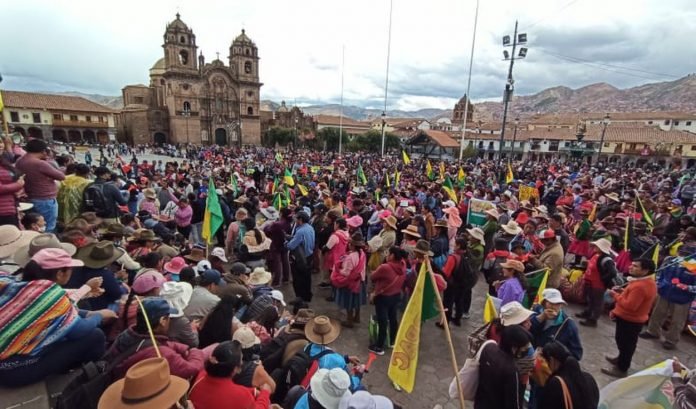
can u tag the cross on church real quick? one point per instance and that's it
(218, 54)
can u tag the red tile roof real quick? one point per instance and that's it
(330, 120)
(442, 139)
(51, 102)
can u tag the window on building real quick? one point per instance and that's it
(666, 121)
(676, 123)
(182, 40)
(101, 118)
(88, 118)
(187, 106)
(247, 67)
(57, 117)
(693, 147)
(183, 57)
(73, 118)
(138, 100)
(688, 123)
(250, 111)
(14, 116)
(36, 117)
(650, 122)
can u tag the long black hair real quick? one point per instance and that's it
(33, 271)
(514, 336)
(581, 385)
(250, 225)
(218, 324)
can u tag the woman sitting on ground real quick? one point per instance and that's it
(252, 373)
(254, 246)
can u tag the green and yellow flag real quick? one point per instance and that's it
(386, 180)
(274, 187)
(405, 157)
(361, 176)
(212, 218)
(303, 190)
(442, 170)
(279, 157)
(461, 176)
(449, 188)
(509, 176)
(397, 178)
(536, 284)
(421, 306)
(278, 200)
(233, 182)
(489, 311)
(429, 170)
(646, 216)
(288, 178)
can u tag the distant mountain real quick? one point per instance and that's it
(678, 95)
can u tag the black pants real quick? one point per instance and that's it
(385, 309)
(11, 219)
(595, 302)
(457, 301)
(626, 337)
(302, 279)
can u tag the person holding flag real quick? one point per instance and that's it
(212, 218)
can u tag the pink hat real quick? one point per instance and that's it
(50, 259)
(355, 221)
(148, 281)
(175, 265)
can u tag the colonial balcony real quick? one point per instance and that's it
(79, 124)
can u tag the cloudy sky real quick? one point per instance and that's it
(98, 46)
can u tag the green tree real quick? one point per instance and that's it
(278, 135)
(329, 138)
(469, 151)
(371, 141)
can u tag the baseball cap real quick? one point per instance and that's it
(211, 276)
(553, 296)
(156, 308)
(203, 265)
(278, 296)
(238, 268)
(50, 259)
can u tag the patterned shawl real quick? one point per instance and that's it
(33, 315)
(70, 197)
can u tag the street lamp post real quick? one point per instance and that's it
(478, 137)
(605, 123)
(296, 121)
(384, 122)
(514, 138)
(517, 39)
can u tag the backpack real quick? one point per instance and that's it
(298, 371)
(462, 276)
(94, 200)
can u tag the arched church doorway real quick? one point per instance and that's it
(221, 137)
(160, 138)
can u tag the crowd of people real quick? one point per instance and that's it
(118, 263)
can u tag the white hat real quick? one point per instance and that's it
(513, 313)
(270, 213)
(246, 337)
(449, 203)
(512, 228)
(260, 276)
(203, 265)
(411, 209)
(384, 202)
(365, 400)
(604, 246)
(553, 296)
(278, 296)
(24, 206)
(178, 295)
(493, 212)
(478, 234)
(219, 252)
(329, 386)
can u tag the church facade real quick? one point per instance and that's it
(191, 101)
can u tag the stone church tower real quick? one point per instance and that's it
(189, 101)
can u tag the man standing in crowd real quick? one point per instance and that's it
(301, 248)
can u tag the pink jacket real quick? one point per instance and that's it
(338, 245)
(8, 188)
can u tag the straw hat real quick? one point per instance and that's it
(147, 384)
(614, 197)
(113, 230)
(144, 235)
(512, 228)
(441, 223)
(513, 265)
(219, 252)
(99, 255)
(411, 230)
(196, 255)
(322, 330)
(270, 213)
(246, 337)
(40, 242)
(513, 313)
(423, 247)
(329, 386)
(493, 212)
(604, 246)
(478, 234)
(149, 193)
(260, 277)
(23, 206)
(391, 221)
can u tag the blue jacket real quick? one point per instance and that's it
(304, 236)
(568, 336)
(670, 292)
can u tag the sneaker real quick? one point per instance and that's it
(324, 285)
(647, 335)
(376, 350)
(466, 316)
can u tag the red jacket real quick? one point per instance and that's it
(389, 278)
(8, 188)
(222, 393)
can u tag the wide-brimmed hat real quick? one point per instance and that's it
(91, 218)
(77, 238)
(365, 400)
(196, 255)
(303, 316)
(493, 212)
(513, 313)
(178, 294)
(149, 193)
(219, 252)
(241, 199)
(40, 242)
(542, 209)
(441, 223)
(175, 265)
(423, 247)
(24, 206)
(270, 213)
(390, 221)
(79, 224)
(478, 234)
(260, 277)
(144, 235)
(147, 384)
(522, 218)
(246, 337)
(329, 386)
(604, 246)
(411, 230)
(411, 209)
(113, 230)
(614, 197)
(99, 254)
(322, 330)
(513, 265)
(512, 228)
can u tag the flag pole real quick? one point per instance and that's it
(448, 335)
(468, 85)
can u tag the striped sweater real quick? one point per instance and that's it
(33, 315)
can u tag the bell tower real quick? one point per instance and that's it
(244, 61)
(244, 57)
(180, 50)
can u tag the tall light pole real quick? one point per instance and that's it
(514, 138)
(478, 137)
(340, 117)
(186, 113)
(605, 123)
(468, 84)
(517, 39)
(386, 79)
(296, 120)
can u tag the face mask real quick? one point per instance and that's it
(42, 229)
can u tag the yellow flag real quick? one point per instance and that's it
(509, 177)
(405, 157)
(461, 176)
(303, 190)
(593, 213)
(542, 287)
(397, 177)
(404, 359)
(1, 103)
(656, 254)
(442, 170)
(489, 311)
